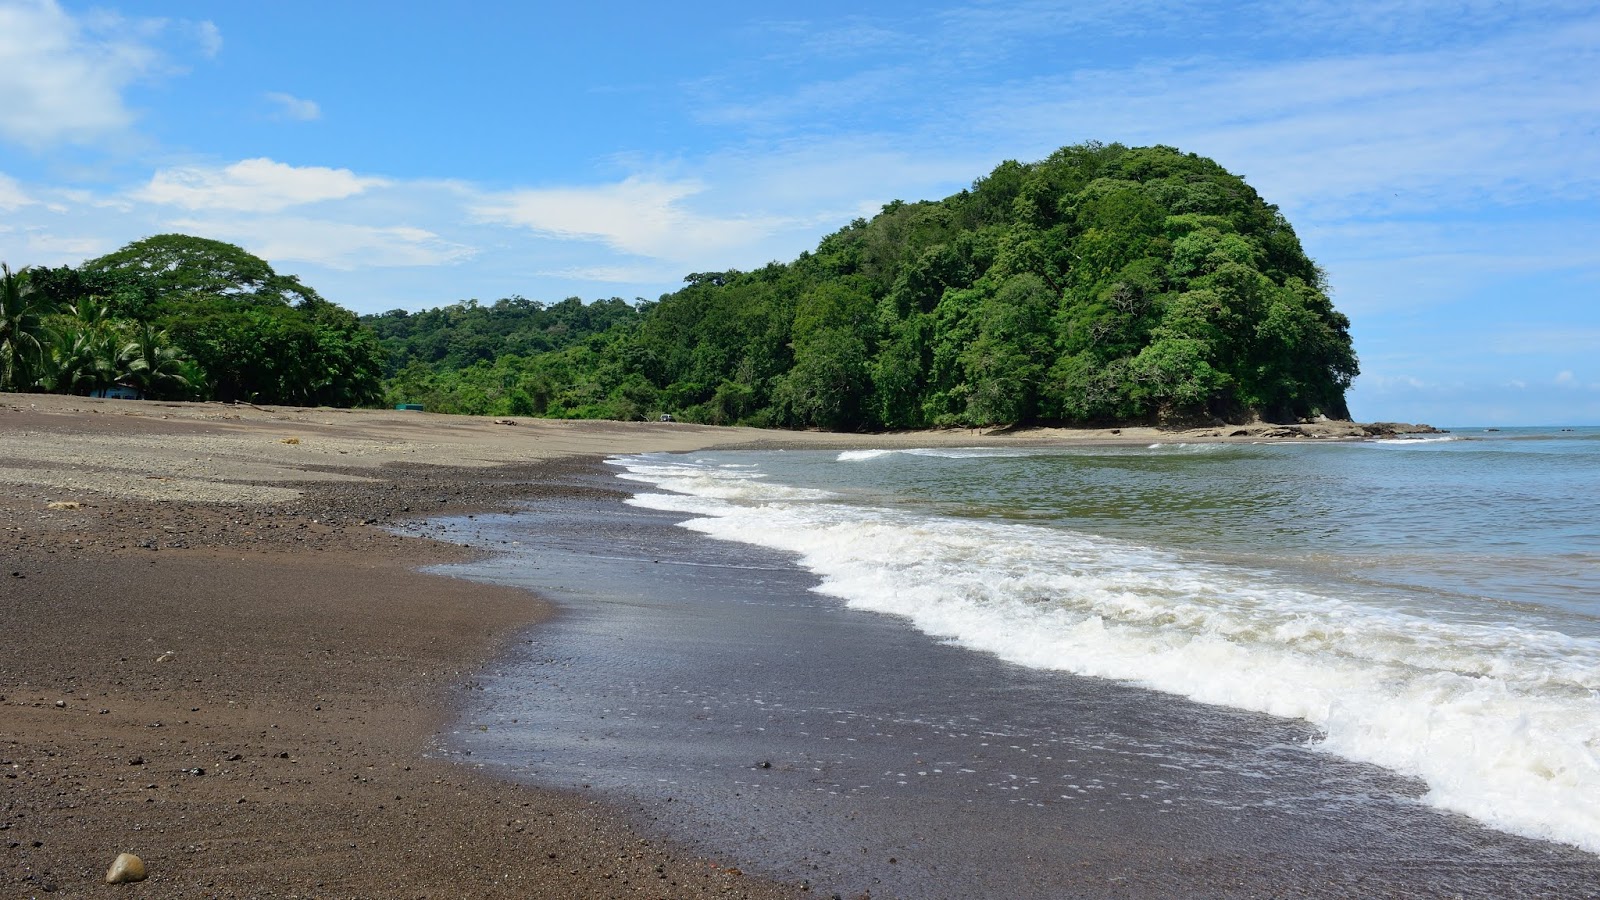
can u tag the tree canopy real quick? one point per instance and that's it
(1101, 284)
(175, 315)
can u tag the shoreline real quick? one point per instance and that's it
(708, 679)
(217, 579)
(243, 692)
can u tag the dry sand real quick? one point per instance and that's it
(212, 654)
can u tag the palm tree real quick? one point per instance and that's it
(22, 312)
(151, 365)
(81, 354)
(83, 361)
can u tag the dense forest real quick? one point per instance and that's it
(1102, 284)
(180, 317)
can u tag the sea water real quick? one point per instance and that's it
(1428, 605)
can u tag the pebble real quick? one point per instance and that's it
(126, 868)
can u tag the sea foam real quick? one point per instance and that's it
(1501, 722)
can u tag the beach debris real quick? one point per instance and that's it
(289, 441)
(61, 704)
(126, 868)
(63, 504)
(505, 421)
(168, 656)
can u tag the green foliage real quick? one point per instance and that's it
(154, 368)
(255, 334)
(22, 311)
(1102, 284)
(175, 316)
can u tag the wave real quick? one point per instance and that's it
(1414, 441)
(1499, 721)
(1022, 452)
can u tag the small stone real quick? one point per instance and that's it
(61, 704)
(126, 868)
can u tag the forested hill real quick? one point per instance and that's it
(1103, 284)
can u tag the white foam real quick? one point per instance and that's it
(1414, 441)
(1501, 721)
(939, 453)
(862, 455)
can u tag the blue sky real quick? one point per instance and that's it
(1440, 160)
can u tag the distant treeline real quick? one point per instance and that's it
(1103, 284)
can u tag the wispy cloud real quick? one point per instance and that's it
(11, 194)
(341, 245)
(208, 36)
(1548, 340)
(252, 185)
(62, 81)
(638, 215)
(288, 106)
(1367, 133)
(48, 249)
(618, 274)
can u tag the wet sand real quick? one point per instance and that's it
(705, 681)
(243, 689)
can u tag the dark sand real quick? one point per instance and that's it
(705, 682)
(243, 695)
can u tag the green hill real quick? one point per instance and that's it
(1103, 284)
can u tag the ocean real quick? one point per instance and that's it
(1390, 626)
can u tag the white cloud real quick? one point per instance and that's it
(652, 275)
(641, 216)
(62, 80)
(252, 185)
(1500, 120)
(46, 249)
(208, 36)
(336, 245)
(11, 194)
(291, 107)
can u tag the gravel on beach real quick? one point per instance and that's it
(243, 691)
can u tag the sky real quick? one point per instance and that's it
(1439, 160)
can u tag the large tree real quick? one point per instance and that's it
(257, 335)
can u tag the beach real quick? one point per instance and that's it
(215, 655)
(219, 654)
